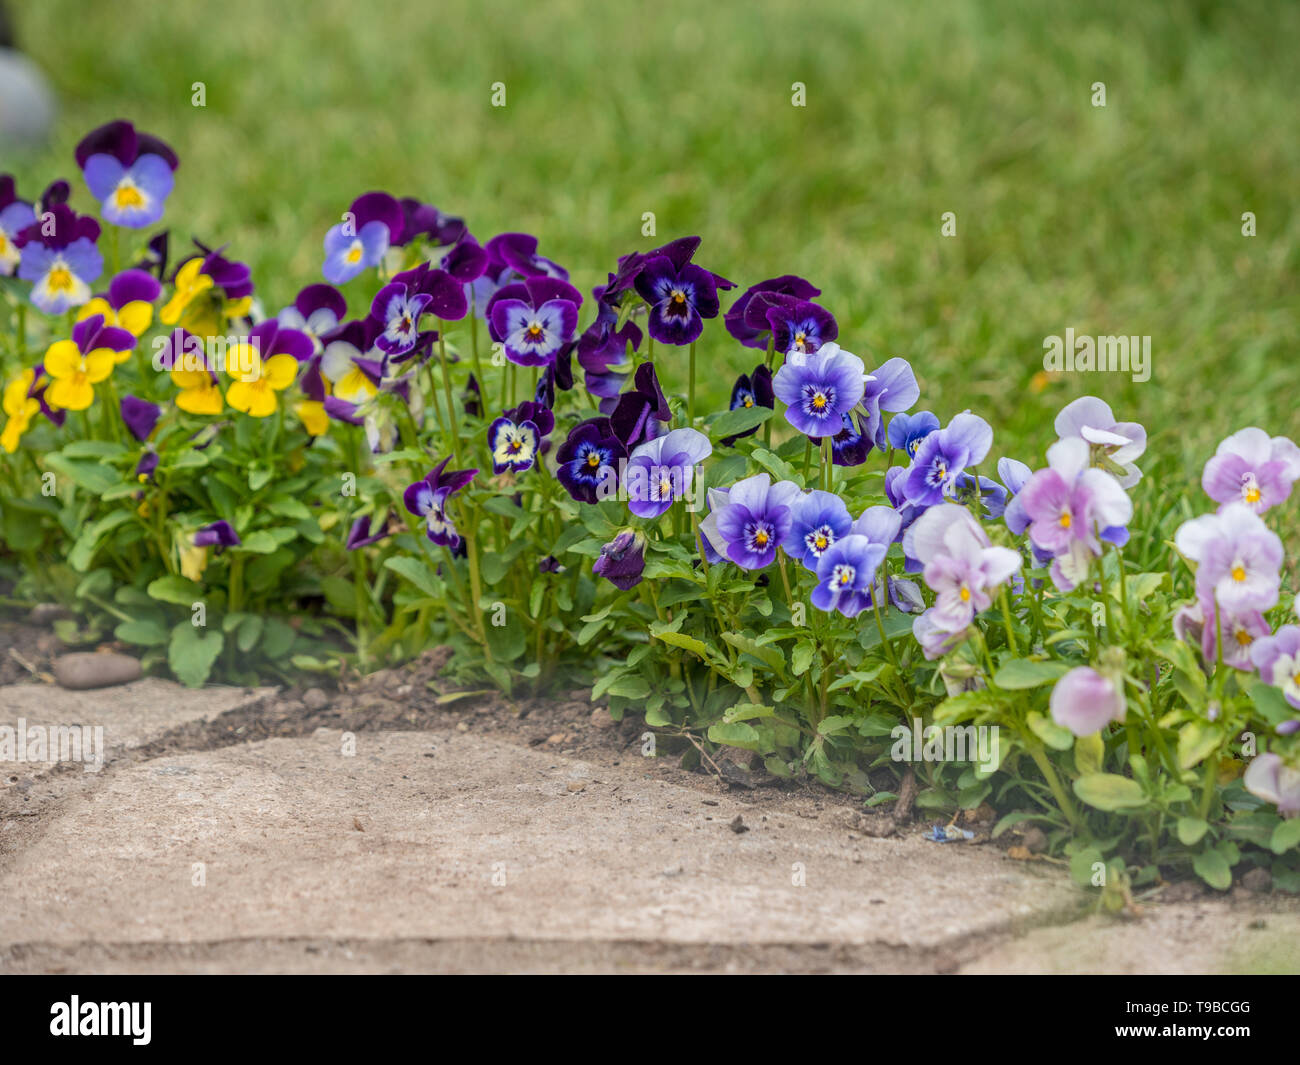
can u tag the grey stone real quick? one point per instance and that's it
(83, 671)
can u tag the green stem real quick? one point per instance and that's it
(452, 426)
(690, 399)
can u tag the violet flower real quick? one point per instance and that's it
(799, 324)
(1115, 446)
(819, 389)
(15, 216)
(853, 443)
(746, 320)
(535, 324)
(219, 534)
(638, 414)
(317, 311)
(817, 520)
(362, 535)
(515, 439)
(427, 498)
(588, 461)
(906, 431)
(1272, 780)
(129, 173)
(753, 521)
(1252, 468)
(361, 240)
(140, 416)
(846, 575)
(751, 390)
(1277, 657)
(960, 563)
(1238, 557)
(1085, 701)
(943, 455)
(891, 386)
(622, 560)
(60, 258)
(680, 298)
(663, 469)
(1242, 630)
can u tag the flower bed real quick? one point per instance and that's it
(819, 574)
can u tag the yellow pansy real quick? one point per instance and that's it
(313, 417)
(257, 380)
(135, 317)
(19, 409)
(190, 284)
(199, 392)
(76, 373)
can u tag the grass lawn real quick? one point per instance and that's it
(1123, 219)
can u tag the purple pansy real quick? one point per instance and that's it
(637, 414)
(846, 575)
(746, 320)
(427, 498)
(892, 387)
(678, 252)
(852, 444)
(129, 173)
(818, 519)
(218, 534)
(663, 469)
(751, 390)
(603, 351)
(906, 431)
(622, 560)
(362, 535)
(1252, 468)
(140, 416)
(373, 222)
(1241, 629)
(679, 298)
(60, 258)
(587, 461)
(960, 563)
(317, 311)
(799, 324)
(1277, 657)
(1085, 701)
(753, 521)
(15, 216)
(943, 455)
(424, 220)
(515, 439)
(819, 389)
(1238, 557)
(535, 328)
(510, 257)
(1115, 446)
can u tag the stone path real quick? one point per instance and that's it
(451, 851)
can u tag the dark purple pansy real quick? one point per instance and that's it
(751, 390)
(852, 444)
(373, 222)
(679, 252)
(511, 257)
(219, 534)
(147, 466)
(317, 310)
(746, 320)
(679, 299)
(799, 325)
(424, 220)
(622, 560)
(638, 413)
(397, 309)
(140, 416)
(428, 499)
(466, 261)
(588, 460)
(129, 173)
(603, 351)
(446, 295)
(533, 330)
(60, 258)
(361, 534)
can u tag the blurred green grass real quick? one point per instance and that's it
(1117, 220)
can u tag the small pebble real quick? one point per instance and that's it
(83, 670)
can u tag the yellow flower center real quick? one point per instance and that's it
(1239, 572)
(1066, 520)
(760, 538)
(534, 330)
(845, 577)
(679, 296)
(748, 402)
(1244, 639)
(60, 279)
(799, 339)
(819, 401)
(593, 460)
(127, 195)
(354, 253)
(965, 594)
(821, 542)
(1252, 494)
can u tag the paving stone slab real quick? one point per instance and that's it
(436, 837)
(129, 716)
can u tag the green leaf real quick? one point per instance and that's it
(735, 422)
(1271, 703)
(1089, 751)
(1022, 673)
(735, 734)
(801, 657)
(1109, 791)
(192, 652)
(1195, 742)
(1081, 866)
(142, 633)
(261, 542)
(769, 656)
(418, 573)
(1285, 836)
(630, 687)
(174, 589)
(1213, 868)
(1190, 830)
(1047, 730)
(677, 639)
(747, 712)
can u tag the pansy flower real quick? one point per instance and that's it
(361, 240)
(663, 469)
(587, 461)
(218, 534)
(60, 258)
(818, 519)
(428, 499)
(317, 310)
(1271, 779)
(638, 414)
(264, 364)
(129, 173)
(421, 219)
(128, 303)
(210, 290)
(906, 431)
(185, 357)
(799, 324)
(746, 320)
(19, 408)
(364, 533)
(1241, 630)
(1238, 557)
(680, 298)
(15, 216)
(398, 306)
(846, 574)
(753, 522)
(603, 351)
(77, 365)
(139, 416)
(353, 377)
(959, 563)
(1277, 657)
(515, 439)
(679, 254)
(892, 387)
(622, 560)
(943, 455)
(510, 257)
(852, 444)
(819, 389)
(1252, 468)
(1086, 701)
(535, 327)
(749, 391)
(1115, 446)
(466, 261)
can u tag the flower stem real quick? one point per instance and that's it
(690, 399)
(452, 426)
(1006, 620)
